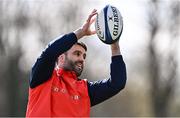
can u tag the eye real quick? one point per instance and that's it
(77, 53)
(84, 56)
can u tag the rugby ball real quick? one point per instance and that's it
(109, 24)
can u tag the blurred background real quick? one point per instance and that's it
(150, 45)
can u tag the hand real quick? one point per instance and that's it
(85, 29)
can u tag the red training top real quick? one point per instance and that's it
(62, 95)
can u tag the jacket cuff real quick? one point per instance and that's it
(116, 58)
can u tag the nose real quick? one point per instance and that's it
(81, 59)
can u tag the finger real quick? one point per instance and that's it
(94, 12)
(92, 20)
(90, 16)
(93, 32)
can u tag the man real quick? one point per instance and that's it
(56, 90)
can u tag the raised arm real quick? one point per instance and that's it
(101, 90)
(44, 65)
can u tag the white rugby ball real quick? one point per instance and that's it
(109, 24)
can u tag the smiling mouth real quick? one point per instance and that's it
(79, 65)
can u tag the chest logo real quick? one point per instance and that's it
(57, 89)
(75, 97)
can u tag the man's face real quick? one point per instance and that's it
(74, 59)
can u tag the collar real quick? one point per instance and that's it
(60, 72)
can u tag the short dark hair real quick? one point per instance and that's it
(78, 43)
(82, 45)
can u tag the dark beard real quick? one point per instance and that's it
(72, 66)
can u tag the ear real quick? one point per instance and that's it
(61, 60)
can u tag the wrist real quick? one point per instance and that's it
(115, 46)
(79, 33)
(115, 49)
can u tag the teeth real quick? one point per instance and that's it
(79, 66)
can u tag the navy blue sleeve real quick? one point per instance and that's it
(101, 90)
(44, 65)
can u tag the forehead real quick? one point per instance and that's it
(77, 48)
